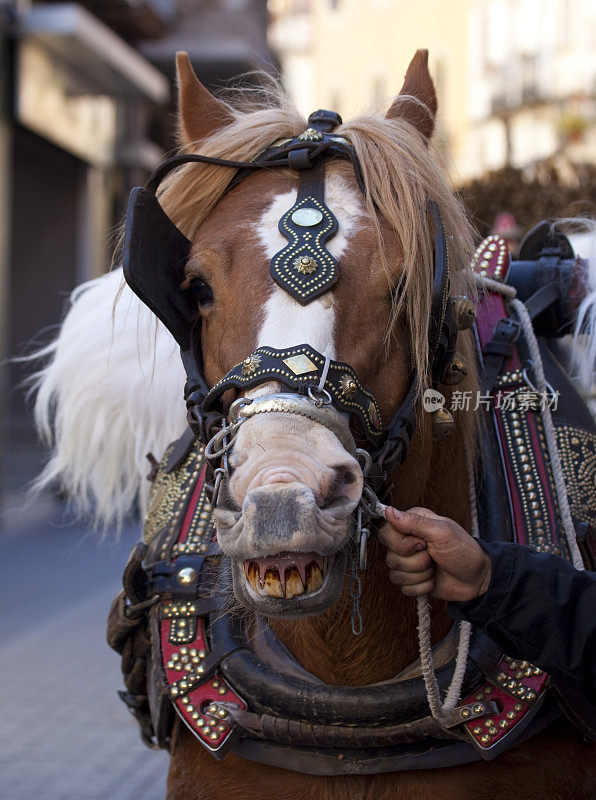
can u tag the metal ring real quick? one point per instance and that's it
(366, 456)
(219, 473)
(370, 503)
(235, 408)
(320, 397)
(222, 436)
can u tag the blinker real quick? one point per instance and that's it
(155, 256)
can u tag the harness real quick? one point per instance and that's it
(186, 652)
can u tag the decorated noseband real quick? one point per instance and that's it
(306, 371)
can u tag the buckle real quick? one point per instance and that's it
(508, 329)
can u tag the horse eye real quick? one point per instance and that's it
(201, 291)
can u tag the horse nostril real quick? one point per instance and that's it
(346, 475)
(346, 483)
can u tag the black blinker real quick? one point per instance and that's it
(155, 256)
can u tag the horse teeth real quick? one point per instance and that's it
(252, 573)
(314, 578)
(294, 585)
(286, 575)
(273, 585)
(300, 565)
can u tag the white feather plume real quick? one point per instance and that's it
(584, 334)
(111, 392)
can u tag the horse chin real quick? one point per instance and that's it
(289, 584)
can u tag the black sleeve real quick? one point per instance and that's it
(539, 608)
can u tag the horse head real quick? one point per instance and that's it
(285, 512)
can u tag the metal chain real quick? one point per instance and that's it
(356, 594)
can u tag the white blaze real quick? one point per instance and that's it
(286, 322)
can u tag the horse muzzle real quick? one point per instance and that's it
(288, 555)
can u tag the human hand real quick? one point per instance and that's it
(429, 554)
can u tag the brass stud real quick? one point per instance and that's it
(504, 723)
(478, 708)
(485, 739)
(214, 736)
(305, 265)
(511, 715)
(465, 712)
(518, 707)
(186, 576)
(347, 385)
(478, 730)
(488, 723)
(250, 364)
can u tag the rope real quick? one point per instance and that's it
(496, 286)
(438, 709)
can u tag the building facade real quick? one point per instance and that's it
(516, 79)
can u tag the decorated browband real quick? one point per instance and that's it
(302, 368)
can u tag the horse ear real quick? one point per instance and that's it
(417, 101)
(200, 113)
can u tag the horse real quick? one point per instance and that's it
(113, 391)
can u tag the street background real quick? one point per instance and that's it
(87, 103)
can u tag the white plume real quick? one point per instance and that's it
(111, 392)
(584, 334)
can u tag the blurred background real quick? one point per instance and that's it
(86, 112)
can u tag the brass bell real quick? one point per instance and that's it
(464, 312)
(443, 424)
(456, 371)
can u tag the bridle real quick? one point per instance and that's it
(155, 256)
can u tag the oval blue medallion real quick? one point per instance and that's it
(306, 217)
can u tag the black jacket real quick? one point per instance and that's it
(541, 609)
